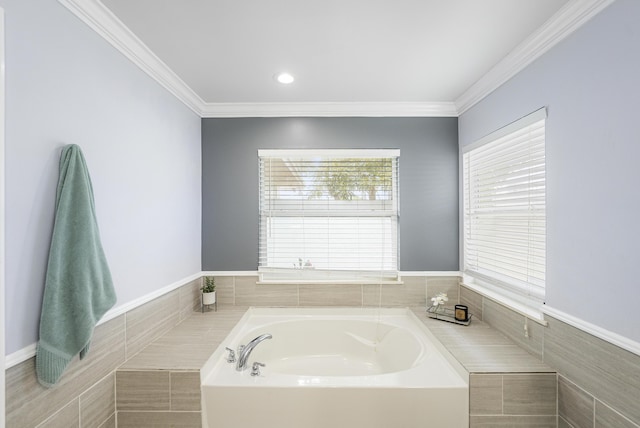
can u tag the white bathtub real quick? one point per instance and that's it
(337, 368)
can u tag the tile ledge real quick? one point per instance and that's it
(536, 365)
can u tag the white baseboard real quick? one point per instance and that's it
(30, 351)
(594, 330)
(19, 356)
(230, 273)
(402, 273)
(432, 273)
(126, 307)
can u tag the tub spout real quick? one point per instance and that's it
(246, 351)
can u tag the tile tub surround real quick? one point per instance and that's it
(243, 290)
(184, 347)
(160, 386)
(120, 342)
(608, 374)
(149, 346)
(579, 409)
(524, 394)
(85, 396)
(598, 383)
(28, 404)
(187, 346)
(178, 350)
(157, 397)
(508, 386)
(478, 347)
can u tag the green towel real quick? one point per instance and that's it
(78, 287)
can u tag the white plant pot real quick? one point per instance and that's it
(209, 298)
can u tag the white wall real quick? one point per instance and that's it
(591, 85)
(2, 229)
(67, 85)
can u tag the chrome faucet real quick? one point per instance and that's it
(246, 351)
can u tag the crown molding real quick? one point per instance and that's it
(564, 22)
(330, 109)
(106, 24)
(568, 19)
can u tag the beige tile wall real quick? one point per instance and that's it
(509, 421)
(523, 400)
(598, 383)
(607, 373)
(28, 403)
(579, 409)
(137, 419)
(473, 300)
(574, 405)
(587, 394)
(162, 391)
(414, 291)
(512, 325)
(85, 395)
(97, 403)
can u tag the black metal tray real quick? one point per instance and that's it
(446, 314)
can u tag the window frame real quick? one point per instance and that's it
(520, 295)
(307, 209)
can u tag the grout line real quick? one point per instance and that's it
(115, 396)
(41, 424)
(557, 394)
(570, 425)
(126, 351)
(426, 291)
(502, 392)
(595, 400)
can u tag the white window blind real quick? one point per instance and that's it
(328, 215)
(504, 207)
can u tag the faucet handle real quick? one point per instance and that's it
(255, 369)
(232, 355)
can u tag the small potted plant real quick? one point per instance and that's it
(208, 290)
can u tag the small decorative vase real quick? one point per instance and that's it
(209, 298)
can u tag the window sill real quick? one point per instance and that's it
(528, 308)
(329, 282)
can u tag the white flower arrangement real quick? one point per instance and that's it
(440, 299)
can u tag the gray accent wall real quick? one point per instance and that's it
(65, 84)
(590, 83)
(428, 182)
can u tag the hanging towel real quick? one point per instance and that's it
(78, 286)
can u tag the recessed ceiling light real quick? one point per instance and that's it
(284, 78)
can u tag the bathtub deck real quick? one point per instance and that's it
(173, 362)
(189, 344)
(478, 347)
(482, 349)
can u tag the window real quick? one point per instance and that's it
(328, 215)
(504, 208)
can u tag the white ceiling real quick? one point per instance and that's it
(427, 54)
